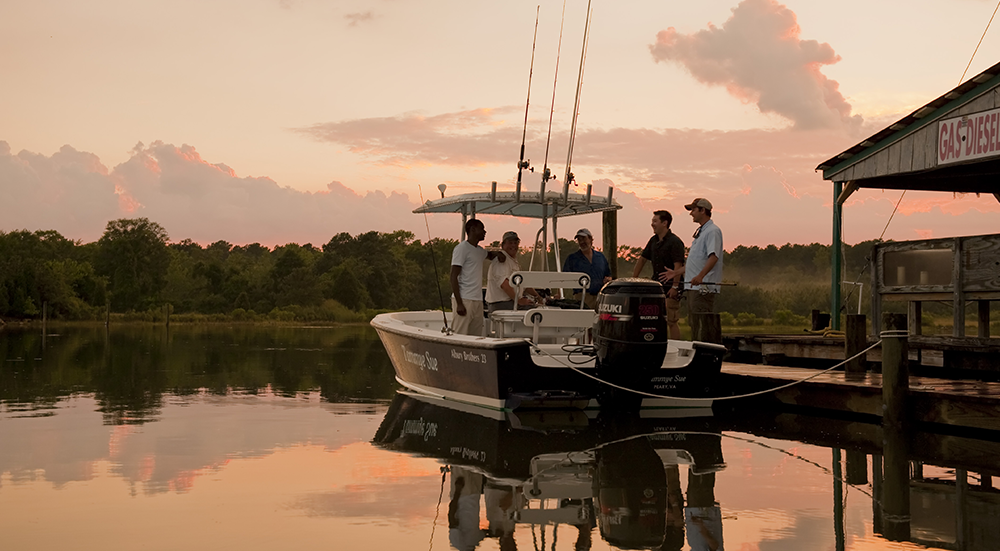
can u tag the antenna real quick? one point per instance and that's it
(576, 106)
(522, 164)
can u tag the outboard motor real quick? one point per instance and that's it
(630, 336)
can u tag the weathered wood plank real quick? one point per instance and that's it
(957, 403)
(882, 162)
(982, 103)
(919, 151)
(894, 151)
(981, 263)
(931, 146)
(906, 154)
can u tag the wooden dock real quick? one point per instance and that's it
(955, 403)
(966, 353)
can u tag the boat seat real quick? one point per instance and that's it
(540, 318)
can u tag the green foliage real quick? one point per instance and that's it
(132, 254)
(347, 279)
(727, 319)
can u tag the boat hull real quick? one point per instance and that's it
(511, 373)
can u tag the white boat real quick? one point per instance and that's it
(616, 356)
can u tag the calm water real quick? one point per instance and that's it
(265, 438)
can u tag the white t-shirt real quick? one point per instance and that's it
(470, 280)
(500, 271)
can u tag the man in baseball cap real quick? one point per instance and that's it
(500, 294)
(590, 262)
(704, 262)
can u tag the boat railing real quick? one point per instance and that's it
(551, 280)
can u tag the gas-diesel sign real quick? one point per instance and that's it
(969, 137)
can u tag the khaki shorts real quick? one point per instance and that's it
(472, 322)
(673, 311)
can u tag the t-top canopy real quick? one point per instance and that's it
(528, 205)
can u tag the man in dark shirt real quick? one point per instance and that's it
(665, 250)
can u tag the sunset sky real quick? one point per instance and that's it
(293, 120)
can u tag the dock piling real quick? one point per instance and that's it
(855, 340)
(895, 371)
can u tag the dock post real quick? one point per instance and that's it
(610, 233)
(896, 463)
(855, 340)
(857, 467)
(706, 328)
(895, 485)
(895, 371)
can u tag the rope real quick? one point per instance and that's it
(437, 511)
(980, 43)
(685, 399)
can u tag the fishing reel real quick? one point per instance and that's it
(524, 164)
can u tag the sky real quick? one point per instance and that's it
(279, 121)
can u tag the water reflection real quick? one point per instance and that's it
(273, 427)
(547, 470)
(516, 480)
(130, 368)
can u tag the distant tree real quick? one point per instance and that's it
(133, 255)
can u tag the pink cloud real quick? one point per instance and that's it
(759, 57)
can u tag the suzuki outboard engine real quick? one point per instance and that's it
(630, 336)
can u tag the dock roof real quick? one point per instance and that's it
(913, 153)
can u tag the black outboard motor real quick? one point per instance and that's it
(630, 336)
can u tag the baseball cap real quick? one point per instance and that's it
(584, 231)
(699, 202)
(507, 236)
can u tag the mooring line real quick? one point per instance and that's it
(686, 399)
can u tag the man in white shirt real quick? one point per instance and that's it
(703, 270)
(467, 280)
(499, 291)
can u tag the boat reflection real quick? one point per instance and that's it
(563, 469)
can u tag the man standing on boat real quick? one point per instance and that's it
(467, 280)
(590, 262)
(666, 251)
(704, 262)
(500, 294)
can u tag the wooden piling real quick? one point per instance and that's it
(895, 484)
(610, 233)
(895, 371)
(706, 328)
(820, 320)
(857, 467)
(855, 340)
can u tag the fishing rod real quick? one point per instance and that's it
(522, 164)
(437, 278)
(576, 105)
(546, 175)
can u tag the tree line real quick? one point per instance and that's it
(135, 268)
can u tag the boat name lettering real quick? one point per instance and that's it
(422, 361)
(419, 428)
(612, 308)
(673, 436)
(670, 379)
(466, 453)
(468, 356)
